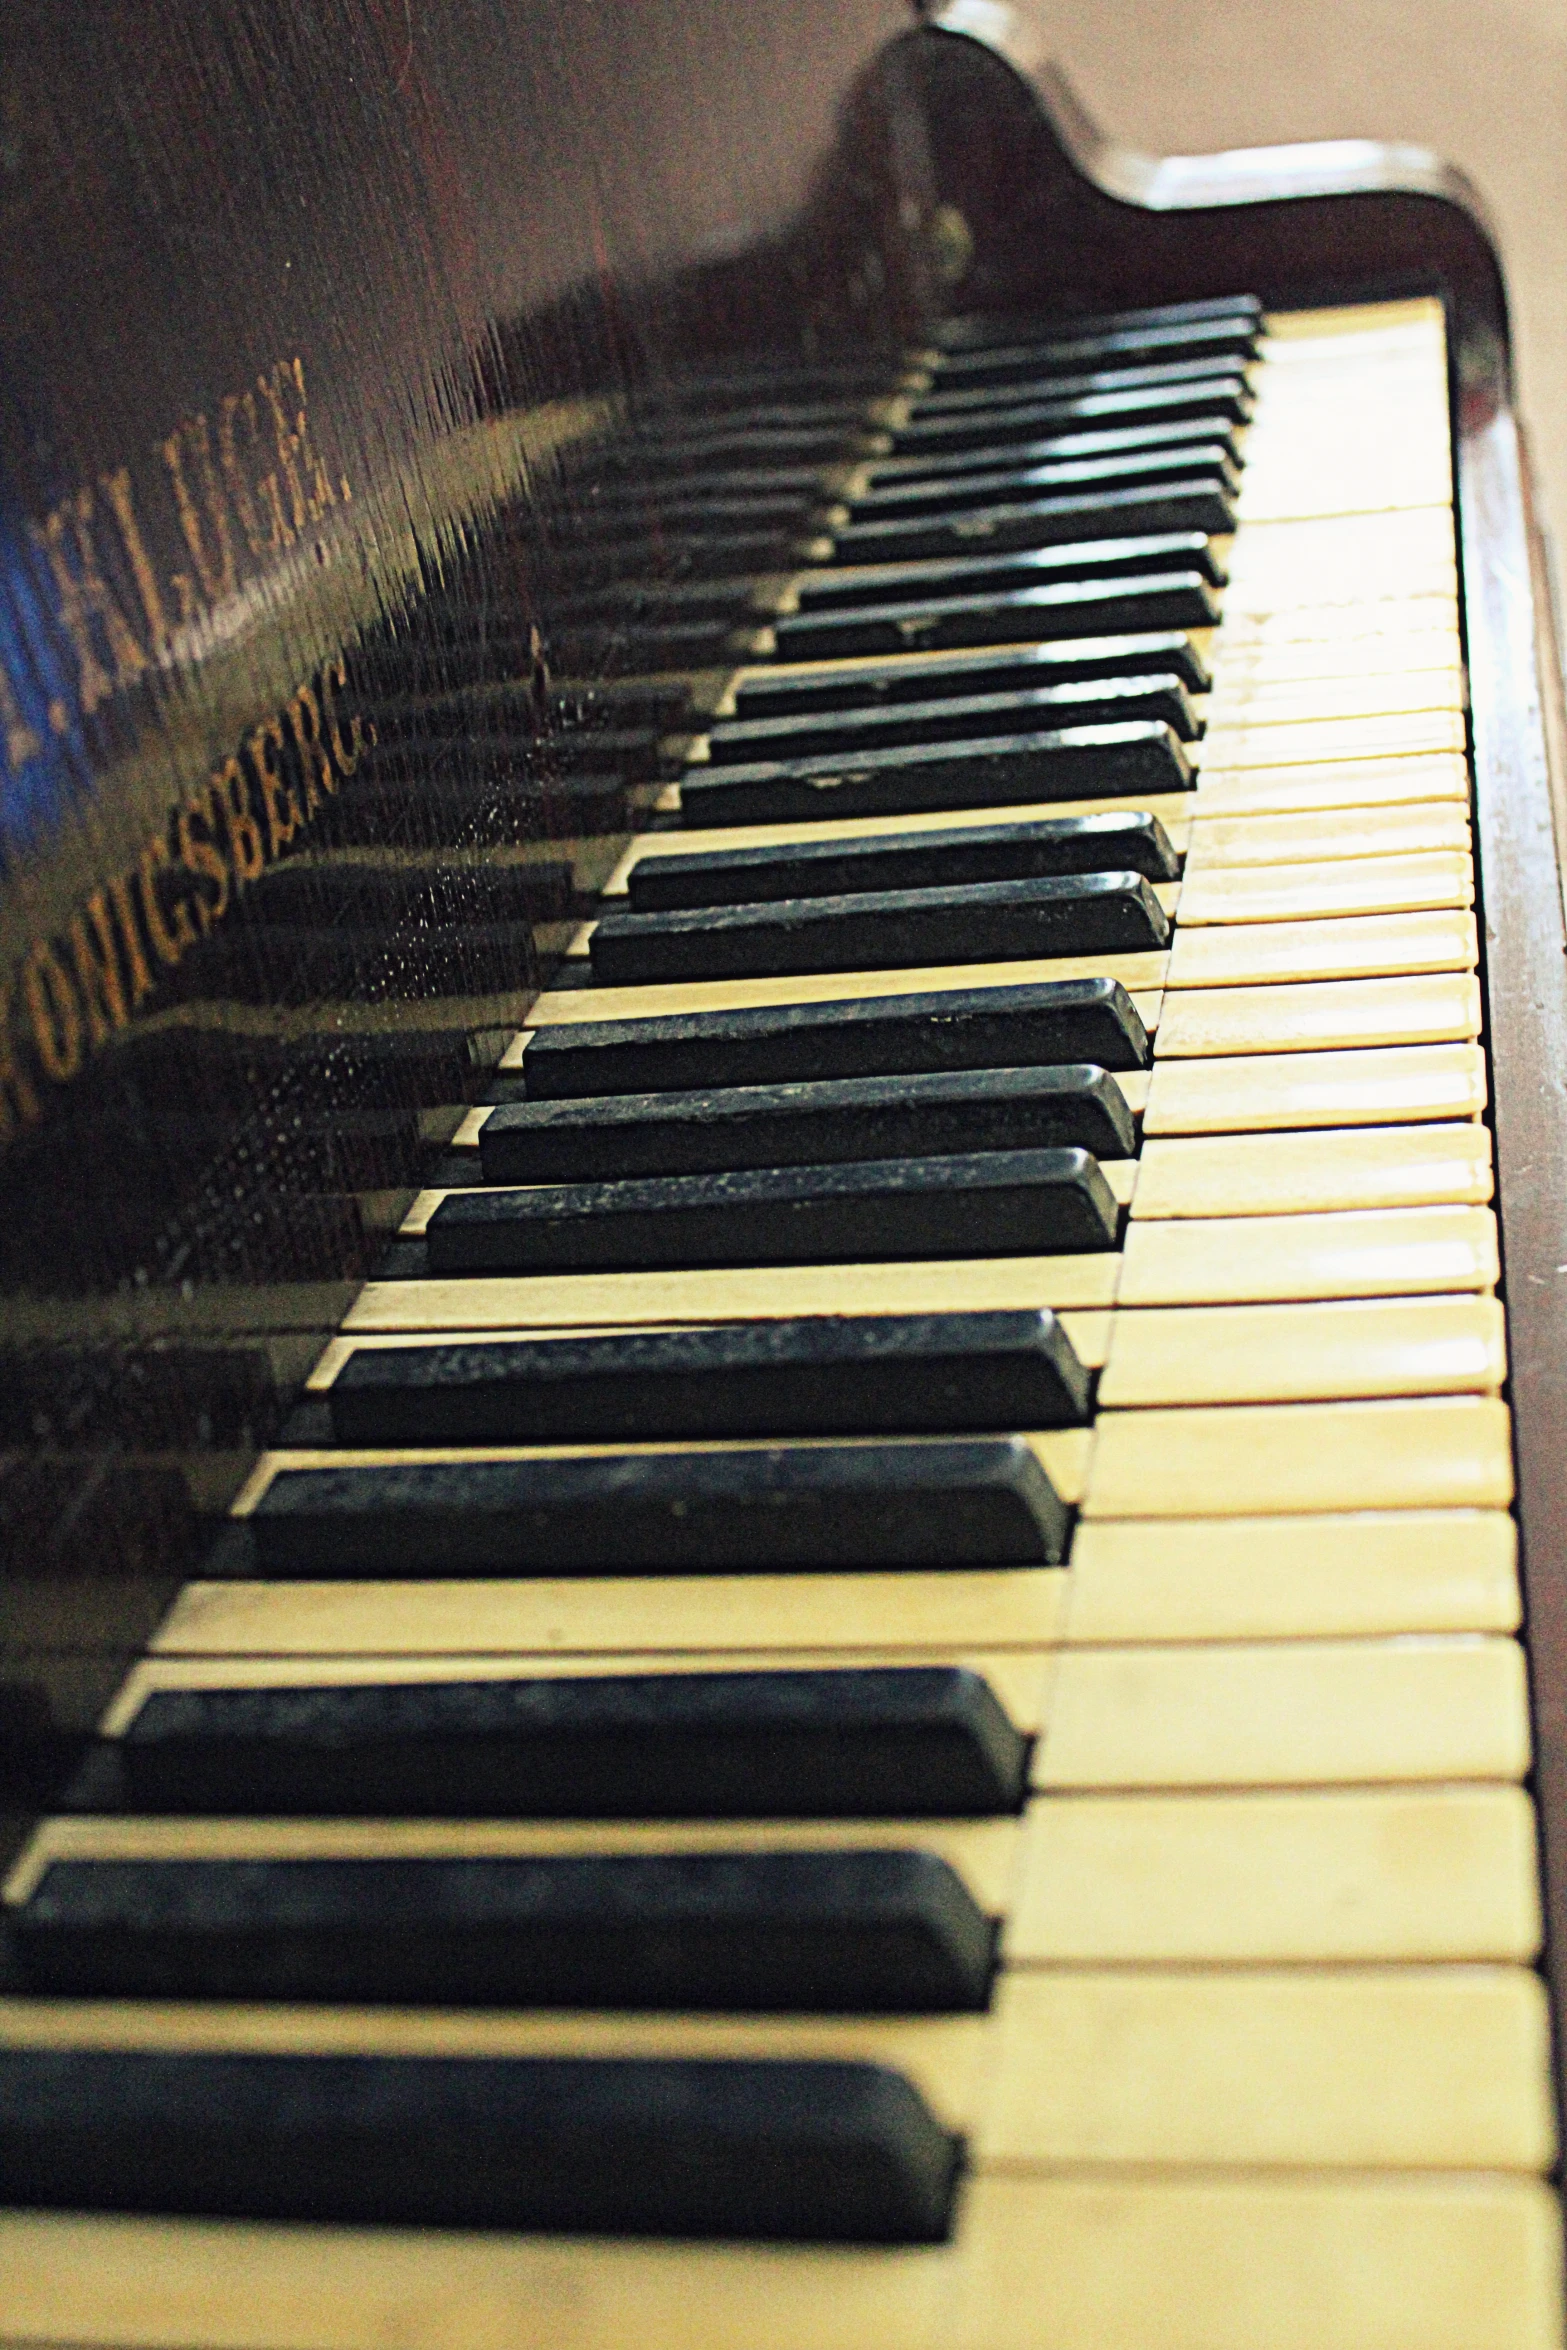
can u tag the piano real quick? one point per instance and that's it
(783, 1205)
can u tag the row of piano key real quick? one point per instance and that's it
(1176, 1905)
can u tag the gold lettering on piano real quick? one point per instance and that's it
(130, 936)
(54, 1013)
(19, 1104)
(259, 481)
(304, 718)
(234, 406)
(116, 488)
(22, 741)
(347, 748)
(255, 480)
(87, 600)
(78, 991)
(199, 856)
(283, 812)
(97, 963)
(230, 791)
(214, 562)
(309, 491)
(173, 932)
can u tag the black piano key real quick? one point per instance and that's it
(1138, 755)
(1068, 447)
(1130, 843)
(855, 1932)
(818, 2151)
(1092, 607)
(620, 1135)
(1183, 504)
(955, 716)
(1039, 1024)
(866, 930)
(982, 330)
(1229, 397)
(824, 1375)
(955, 396)
(1157, 653)
(1103, 480)
(1234, 335)
(877, 584)
(883, 1742)
(750, 1509)
(978, 1204)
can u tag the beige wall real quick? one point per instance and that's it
(1482, 81)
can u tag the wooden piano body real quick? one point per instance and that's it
(413, 427)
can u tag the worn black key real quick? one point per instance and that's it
(1069, 447)
(787, 1931)
(983, 331)
(755, 1509)
(1044, 1022)
(1138, 755)
(1183, 504)
(868, 930)
(883, 684)
(1090, 607)
(955, 717)
(995, 427)
(1130, 843)
(1233, 336)
(915, 677)
(1104, 480)
(951, 714)
(885, 1742)
(617, 1135)
(954, 396)
(823, 1375)
(979, 1204)
(876, 584)
(816, 2151)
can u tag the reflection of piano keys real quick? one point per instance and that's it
(1266, 2062)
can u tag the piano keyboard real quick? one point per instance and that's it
(881, 1702)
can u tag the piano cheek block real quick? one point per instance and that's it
(877, 930)
(910, 1742)
(966, 1204)
(825, 2152)
(846, 1932)
(926, 1503)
